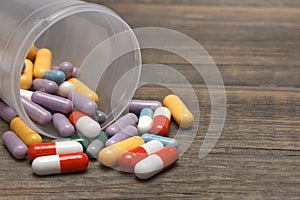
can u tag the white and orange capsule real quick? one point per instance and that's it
(129, 159)
(85, 124)
(156, 162)
(59, 164)
(53, 148)
(161, 121)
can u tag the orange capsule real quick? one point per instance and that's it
(83, 89)
(32, 53)
(26, 76)
(42, 63)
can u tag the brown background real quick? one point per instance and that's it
(256, 45)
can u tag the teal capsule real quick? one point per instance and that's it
(55, 75)
(96, 145)
(81, 139)
(165, 140)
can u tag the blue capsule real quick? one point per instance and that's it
(165, 140)
(55, 75)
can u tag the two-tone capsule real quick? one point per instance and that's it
(85, 124)
(156, 162)
(59, 164)
(96, 145)
(110, 155)
(129, 159)
(53, 148)
(145, 120)
(161, 121)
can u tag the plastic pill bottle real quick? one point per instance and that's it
(90, 36)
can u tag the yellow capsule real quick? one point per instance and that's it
(83, 89)
(32, 53)
(26, 134)
(26, 76)
(180, 113)
(110, 155)
(42, 63)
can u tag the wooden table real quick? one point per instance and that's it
(256, 46)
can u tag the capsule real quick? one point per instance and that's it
(26, 94)
(26, 134)
(65, 89)
(83, 89)
(26, 77)
(161, 121)
(52, 102)
(96, 145)
(110, 155)
(32, 53)
(123, 134)
(67, 68)
(42, 62)
(84, 141)
(85, 124)
(55, 75)
(100, 117)
(82, 103)
(129, 159)
(6, 112)
(128, 119)
(44, 85)
(53, 148)
(14, 145)
(36, 112)
(135, 106)
(165, 140)
(62, 124)
(145, 120)
(59, 164)
(75, 72)
(156, 162)
(180, 113)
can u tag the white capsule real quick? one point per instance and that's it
(46, 165)
(26, 94)
(88, 127)
(65, 89)
(145, 120)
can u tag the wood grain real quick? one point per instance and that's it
(256, 45)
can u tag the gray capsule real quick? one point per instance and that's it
(82, 103)
(101, 117)
(96, 145)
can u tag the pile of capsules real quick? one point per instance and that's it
(52, 95)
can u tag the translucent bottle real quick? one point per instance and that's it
(91, 36)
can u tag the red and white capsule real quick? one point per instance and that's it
(59, 164)
(161, 121)
(156, 162)
(85, 124)
(53, 148)
(129, 159)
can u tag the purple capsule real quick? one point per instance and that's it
(63, 125)
(55, 67)
(123, 134)
(14, 145)
(82, 103)
(136, 106)
(128, 119)
(67, 68)
(52, 102)
(75, 72)
(45, 85)
(6, 112)
(36, 112)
